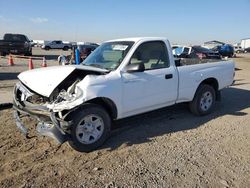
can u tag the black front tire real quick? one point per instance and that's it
(77, 118)
(195, 105)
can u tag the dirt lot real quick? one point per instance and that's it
(165, 148)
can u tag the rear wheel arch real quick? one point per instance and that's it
(214, 83)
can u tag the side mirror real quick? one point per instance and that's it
(135, 67)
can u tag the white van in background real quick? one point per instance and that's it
(245, 44)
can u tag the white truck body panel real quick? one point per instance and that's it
(44, 81)
(191, 76)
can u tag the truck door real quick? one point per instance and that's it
(58, 45)
(156, 86)
(53, 44)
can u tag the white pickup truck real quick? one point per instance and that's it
(121, 78)
(57, 44)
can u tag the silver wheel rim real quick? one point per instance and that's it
(206, 101)
(90, 129)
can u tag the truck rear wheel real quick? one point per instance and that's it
(204, 100)
(90, 128)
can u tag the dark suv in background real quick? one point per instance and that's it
(15, 44)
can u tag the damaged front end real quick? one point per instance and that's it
(27, 103)
(51, 112)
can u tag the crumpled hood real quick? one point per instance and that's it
(44, 80)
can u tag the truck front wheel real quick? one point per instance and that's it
(90, 128)
(204, 100)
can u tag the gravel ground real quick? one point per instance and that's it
(165, 148)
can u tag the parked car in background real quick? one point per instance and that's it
(212, 44)
(222, 48)
(245, 44)
(181, 51)
(203, 53)
(15, 44)
(238, 49)
(225, 50)
(195, 52)
(57, 44)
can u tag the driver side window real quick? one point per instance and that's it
(152, 54)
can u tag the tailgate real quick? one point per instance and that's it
(11, 45)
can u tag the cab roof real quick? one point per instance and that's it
(137, 39)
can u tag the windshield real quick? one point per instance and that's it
(15, 37)
(109, 55)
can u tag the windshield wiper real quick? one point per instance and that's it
(96, 65)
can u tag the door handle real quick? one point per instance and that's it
(168, 76)
(129, 81)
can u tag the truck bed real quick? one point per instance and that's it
(196, 71)
(194, 61)
(11, 46)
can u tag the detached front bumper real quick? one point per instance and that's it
(48, 123)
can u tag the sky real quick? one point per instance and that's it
(182, 21)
